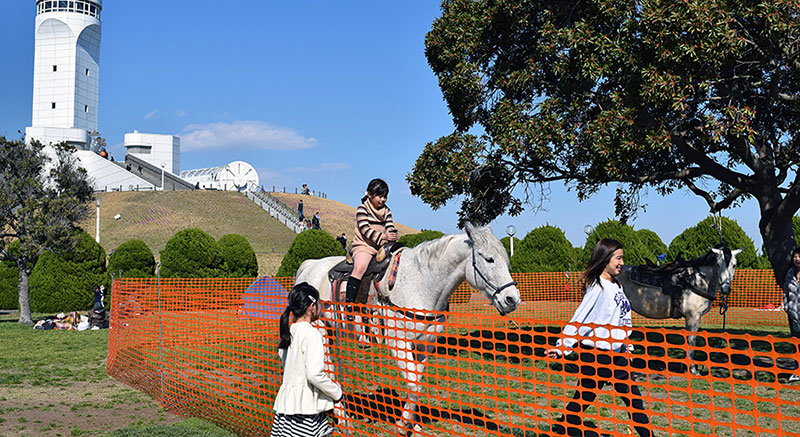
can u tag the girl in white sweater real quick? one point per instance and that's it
(604, 303)
(307, 393)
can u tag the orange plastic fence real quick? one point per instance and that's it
(207, 348)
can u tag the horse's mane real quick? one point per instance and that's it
(431, 250)
(706, 259)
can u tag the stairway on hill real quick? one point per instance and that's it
(276, 209)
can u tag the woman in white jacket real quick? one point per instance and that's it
(307, 393)
(604, 303)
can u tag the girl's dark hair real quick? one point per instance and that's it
(300, 298)
(376, 187)
(601, 255)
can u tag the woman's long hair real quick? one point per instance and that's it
(300, 298)
(796, 251)
(601, 255)
(376, 187)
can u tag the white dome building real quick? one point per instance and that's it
(236, 176)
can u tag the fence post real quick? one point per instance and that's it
(160, 322)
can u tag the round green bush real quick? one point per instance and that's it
(652, 243)
(62, 282)
(239, 257)
(634, 250)
(192, 253)
(132, 259)
(698, 239)
(796, 230)
(506, 242)
(544, 249)
(412, 240)
(309, 244)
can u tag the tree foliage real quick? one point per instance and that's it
(635, 250)
(132, 259)
(309, 244)
(698, 239)
(412, 240)
(506, 242)
(652, 243)
(9, 280)
(696, 95)
(240, 258)
(43, 195)
(192, 253)
(544, 249)
(63, 281)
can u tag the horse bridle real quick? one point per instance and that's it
(497, 289)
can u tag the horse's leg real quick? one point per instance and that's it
(412, 371)
(693, 309)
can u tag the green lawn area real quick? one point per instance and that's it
(54, 383)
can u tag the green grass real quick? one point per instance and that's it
(55, 383)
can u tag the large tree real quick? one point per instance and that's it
(43, 196)
(701, 95)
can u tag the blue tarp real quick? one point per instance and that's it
(264, 298)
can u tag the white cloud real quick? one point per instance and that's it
(180, 113)
(245, 134)
(326, 167)
(151, 114)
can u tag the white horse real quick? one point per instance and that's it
(426, 277)
(698, 281)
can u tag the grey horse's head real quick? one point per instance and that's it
(488, 269)
(726, 266)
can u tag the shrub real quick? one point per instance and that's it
(9, 279)
(697, 240)
(652, 243)
(544, 249)
(506, 241)
(132, 259)
(239, 258)
(309, 244)
(412, 240)
(192, 253)
(634, 249)
(796, 230)
(62, 282)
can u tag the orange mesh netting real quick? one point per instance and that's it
(207, 348)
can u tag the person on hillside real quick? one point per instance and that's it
(374, 228)
(315, 221)
(306, 393)
(791, 300)
(342, 239)
(603, 354)
(300, 216)
(305, 190)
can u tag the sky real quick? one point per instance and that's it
(331, 94)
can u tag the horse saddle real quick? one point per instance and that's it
(668, 278)
(375, 270)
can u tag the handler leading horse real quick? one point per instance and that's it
(426, 277)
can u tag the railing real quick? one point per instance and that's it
(277, 209)
(207, 348)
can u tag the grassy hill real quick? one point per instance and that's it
(335, 217)
(155, 217)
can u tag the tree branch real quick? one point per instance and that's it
(687, 173)
(710, 167)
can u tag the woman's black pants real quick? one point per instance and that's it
(596, 372)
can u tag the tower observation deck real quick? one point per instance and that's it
(66, 78)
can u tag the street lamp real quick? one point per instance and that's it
(588, 229)
(162, 176)
(97, 231)
(511, 230)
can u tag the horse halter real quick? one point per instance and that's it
(497, 289)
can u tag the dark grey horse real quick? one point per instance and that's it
(680, 289)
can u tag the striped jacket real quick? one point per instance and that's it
(371, 226)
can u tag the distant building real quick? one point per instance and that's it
(236, 176)
(155, 149)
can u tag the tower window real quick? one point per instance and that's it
(55, 67)
(53, 105)
(85, 108)
(87, 71)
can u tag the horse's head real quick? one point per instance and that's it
(487, 270)
(726, 266)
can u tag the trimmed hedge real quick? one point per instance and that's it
(62, 282)
(635, 250)
(506, 241)
(697, 240)
(192, 253)
(544, 249)
(796, 230)
(652, 243)
(239, 257)
(132, 259)
(412, 240)
(309, 244)
(9, 280)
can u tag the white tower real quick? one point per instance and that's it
(66, 71)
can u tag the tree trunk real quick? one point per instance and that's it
(778, 242)
(24, 300)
